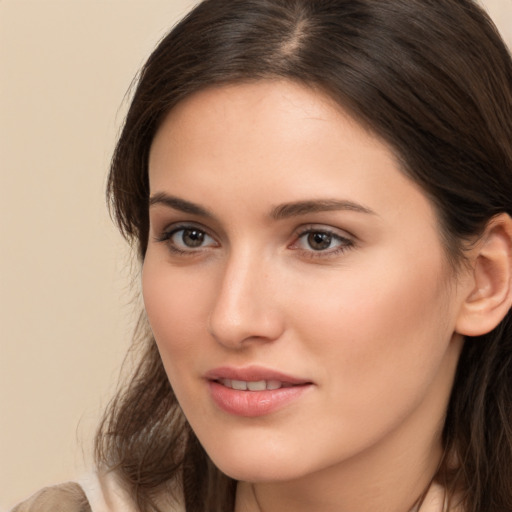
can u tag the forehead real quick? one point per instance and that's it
(272, 117)
(271, 142)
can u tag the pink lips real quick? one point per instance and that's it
(252, 403)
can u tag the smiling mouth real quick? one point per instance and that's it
(252, 398)
(258, 385)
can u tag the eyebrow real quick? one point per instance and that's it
(179, 204)
(298, 208)
(283, 211)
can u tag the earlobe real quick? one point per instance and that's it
(490, 297)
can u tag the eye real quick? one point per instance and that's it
(187, 239)
(321, 242)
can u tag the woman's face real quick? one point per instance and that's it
(296, 285)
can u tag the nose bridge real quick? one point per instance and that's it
(244, 308)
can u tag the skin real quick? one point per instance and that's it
(370, 320)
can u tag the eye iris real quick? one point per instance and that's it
(192, 237)
(319, 241)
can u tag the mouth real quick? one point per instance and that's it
(255, 385)
(253, 378)
(254, 391)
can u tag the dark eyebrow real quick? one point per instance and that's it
(179, 204)
(294, 209)
(279, 212)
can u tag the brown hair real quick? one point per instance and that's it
(430, 77)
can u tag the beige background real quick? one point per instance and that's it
(65, 289)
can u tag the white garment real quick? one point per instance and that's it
(436, 500)
(105, 494)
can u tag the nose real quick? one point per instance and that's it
(245, 310)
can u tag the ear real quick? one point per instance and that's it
(490, 297)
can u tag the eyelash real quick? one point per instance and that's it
(166, 237)
(345, 243)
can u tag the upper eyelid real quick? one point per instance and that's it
(299, 231)
(173, 232)
(165, 236)
(345, 238)
(160, 223)
(339, 232)
(176, 226)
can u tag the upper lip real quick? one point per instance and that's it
(252, 374)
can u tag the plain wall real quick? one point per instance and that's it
(66, 308)
(66, 296)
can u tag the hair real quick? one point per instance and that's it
(433, 79)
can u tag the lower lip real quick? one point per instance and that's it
(254, 403)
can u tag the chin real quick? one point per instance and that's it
(262, 467)
(258, 474)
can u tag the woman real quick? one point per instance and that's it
(320, 195)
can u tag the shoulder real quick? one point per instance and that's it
(68, 497)
(95, 492)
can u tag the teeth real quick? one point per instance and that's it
(274, 384)
(260, 385)
(239, 385)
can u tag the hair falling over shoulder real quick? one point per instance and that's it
(430, 77)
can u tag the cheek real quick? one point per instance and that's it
(380, 343)
(172, 299)
(380, 330)
(175, 306)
